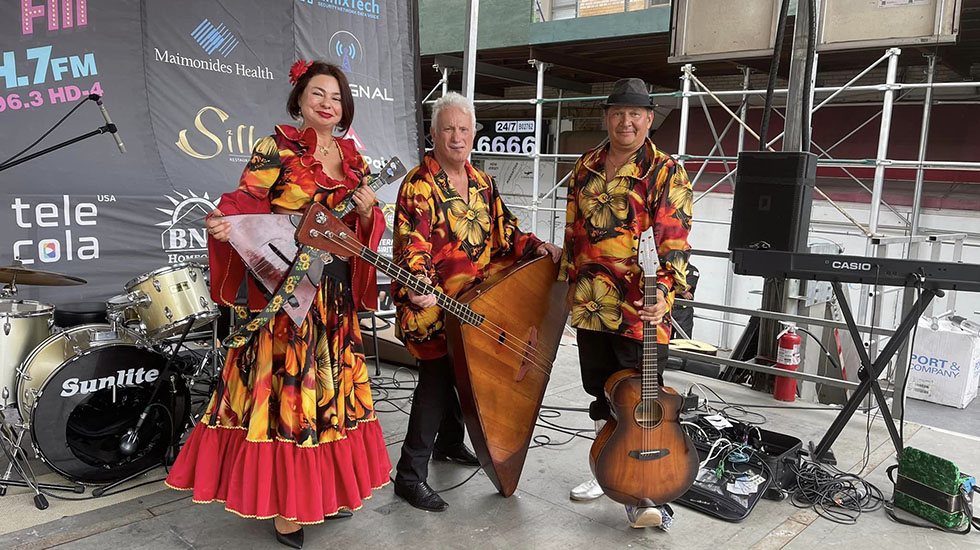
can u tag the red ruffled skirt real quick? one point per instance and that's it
(302, 484)
(293, 432)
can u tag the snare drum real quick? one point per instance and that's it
(170, 297)
(23, 325)
(82, 389)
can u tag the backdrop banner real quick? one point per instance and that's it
(191, 85)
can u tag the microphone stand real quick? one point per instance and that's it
(107, 128)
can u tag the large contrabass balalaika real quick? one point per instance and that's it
(503, 335)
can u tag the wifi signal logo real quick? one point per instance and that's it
(346, 48)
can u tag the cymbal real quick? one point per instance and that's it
(25, 276)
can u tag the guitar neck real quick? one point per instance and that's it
(406, 278)
(347, 205)
(651, 385)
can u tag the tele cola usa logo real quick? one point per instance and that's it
(61, 228)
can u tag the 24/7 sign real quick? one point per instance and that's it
(508, 136)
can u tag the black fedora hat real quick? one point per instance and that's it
(629, 92)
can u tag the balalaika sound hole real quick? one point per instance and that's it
(648, 414)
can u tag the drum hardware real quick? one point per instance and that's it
(10, 442)
(128, 443)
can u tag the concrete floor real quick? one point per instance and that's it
(538, 515)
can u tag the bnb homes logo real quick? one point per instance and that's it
(184, 235)
(214, 132)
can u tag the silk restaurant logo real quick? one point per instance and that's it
(215, 132)
(212, 38)
(345, 48)
(185, 235)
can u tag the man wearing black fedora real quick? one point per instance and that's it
(617, 191)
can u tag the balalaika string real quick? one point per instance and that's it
(464, 312)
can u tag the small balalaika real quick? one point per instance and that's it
(267, 245)
(503, 336)
(642, 457)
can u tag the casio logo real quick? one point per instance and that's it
(853, 266)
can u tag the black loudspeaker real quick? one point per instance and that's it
(773, 196)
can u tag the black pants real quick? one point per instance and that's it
(436, 420)
(602, 354)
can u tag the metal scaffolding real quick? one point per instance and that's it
(878, 237)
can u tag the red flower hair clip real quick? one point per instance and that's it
(298, 70)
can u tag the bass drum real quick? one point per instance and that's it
(82, 389)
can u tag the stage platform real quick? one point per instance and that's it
(538, 515)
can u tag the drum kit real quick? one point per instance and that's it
(104, 402)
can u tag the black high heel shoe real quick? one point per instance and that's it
(292, 540)
(341, 514)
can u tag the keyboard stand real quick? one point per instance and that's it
(870, 371)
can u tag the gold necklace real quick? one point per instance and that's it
(323, 150)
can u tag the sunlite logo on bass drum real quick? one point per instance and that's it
(852, 266)
(128, 377)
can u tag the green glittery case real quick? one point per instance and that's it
(929, 487)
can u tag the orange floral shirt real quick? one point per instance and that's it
(455, 242)
(603, 224)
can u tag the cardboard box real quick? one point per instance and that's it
(945, 364)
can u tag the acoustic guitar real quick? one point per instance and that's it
(642, 457)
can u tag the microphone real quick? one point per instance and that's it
(108, 121)
(127, 445)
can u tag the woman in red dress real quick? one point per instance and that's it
(292, 434)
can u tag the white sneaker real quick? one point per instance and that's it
(589, 490)
(644, 517)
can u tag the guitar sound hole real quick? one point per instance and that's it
(648, 413)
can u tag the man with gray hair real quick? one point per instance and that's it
(452, 230)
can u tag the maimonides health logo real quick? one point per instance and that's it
(212, 38)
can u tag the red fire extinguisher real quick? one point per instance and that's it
(787, 357)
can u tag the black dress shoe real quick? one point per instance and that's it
(421, 496)
(341, 514)
(458, 454)
(292, 540)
